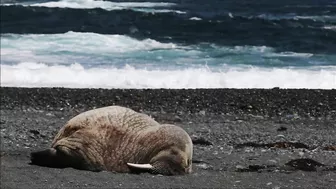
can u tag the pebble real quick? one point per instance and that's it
(202, 112)
(204, 166)
(239, 167)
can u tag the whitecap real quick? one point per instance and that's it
(79, 42)
(330, 27)
(107, 5)
(195, 18)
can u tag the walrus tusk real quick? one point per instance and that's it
(140, 166)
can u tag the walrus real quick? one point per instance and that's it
(118, 139)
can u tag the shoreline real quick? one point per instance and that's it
(265, 102)
(243, 138)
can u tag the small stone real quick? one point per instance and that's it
(282, 128)
(202, 112)
(330, 148)
(304, 164)
(247, 150)
(200, 141)
(239, 167)
(204, 166)
(177, 119)
(35, 132)
(281, 136)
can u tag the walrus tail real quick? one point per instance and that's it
(50, 158)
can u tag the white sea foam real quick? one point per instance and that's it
(76, 76)
(72, 46)
(100, 44)
(97, 49)
(318, 18)
(107, 5)
(195, 18)
(290, 54)
(94, 60)
(77, 41)
(149, 10)
(330, 27)
(296, 17)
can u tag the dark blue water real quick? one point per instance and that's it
(285, 25)
(169, 43)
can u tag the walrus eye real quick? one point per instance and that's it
(141, 166)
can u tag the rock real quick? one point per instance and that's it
(282, 128)
(204, 166)
(274, 145)
(35, 132)
(198, 140)
(330, 148)
(256, 168)
(202, 112)
(304, 164)
(177, 119)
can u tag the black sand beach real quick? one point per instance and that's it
(243, 138)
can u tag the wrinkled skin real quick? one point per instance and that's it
(108, 138)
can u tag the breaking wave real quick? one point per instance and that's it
(76, 76)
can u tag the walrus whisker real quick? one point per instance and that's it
(140, 166)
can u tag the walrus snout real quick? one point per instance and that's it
(167, 162)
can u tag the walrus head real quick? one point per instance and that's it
(175, 159)
(167, 162)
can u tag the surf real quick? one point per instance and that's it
(32, 74)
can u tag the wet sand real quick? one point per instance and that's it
(243, 138)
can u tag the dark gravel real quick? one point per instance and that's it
(243, 138)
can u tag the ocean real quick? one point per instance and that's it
(168, 44)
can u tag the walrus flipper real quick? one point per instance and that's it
(50, 158)
(59, 158)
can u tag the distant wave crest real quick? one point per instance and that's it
(107, 5)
